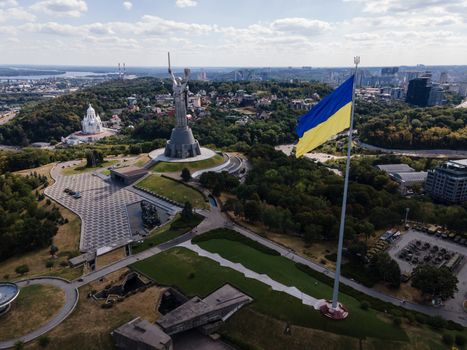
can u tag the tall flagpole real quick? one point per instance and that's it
(335, 290)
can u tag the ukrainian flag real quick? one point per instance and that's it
(329, 117)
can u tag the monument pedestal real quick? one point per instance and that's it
(339, 313)
(182, 144)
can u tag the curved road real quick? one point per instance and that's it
(431, 153)
(71, 299)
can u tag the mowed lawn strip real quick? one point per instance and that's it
(82, 168)
(195, 275)
(168, 232)
(170, 167)
(173, 190)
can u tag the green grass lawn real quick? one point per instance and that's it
(174, 190)
(82, 168)
(167, 232)
(195, 275)
(166, 167)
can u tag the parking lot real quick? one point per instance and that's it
(438, 257)
(414, 248)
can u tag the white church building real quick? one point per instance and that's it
(91, 129)
(91, 123)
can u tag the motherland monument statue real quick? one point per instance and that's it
(182, 144)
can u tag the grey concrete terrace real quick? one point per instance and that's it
(102, 207)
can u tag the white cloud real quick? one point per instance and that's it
(53, 28)
(362, 36)
(127, 5)
(68, 8)
(15, 13)
(8, 3)
(398, 6)
(186, 3)
(300, 25)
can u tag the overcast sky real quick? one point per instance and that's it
(233, 32)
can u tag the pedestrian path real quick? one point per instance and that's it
(293, 291)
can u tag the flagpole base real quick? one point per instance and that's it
(339, 313)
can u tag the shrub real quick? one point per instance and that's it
(44, 341)
(22, 269)
(460, 340)
(447, 339)
(397, 322)
(364, 305)
(6, 277)
(63, 263)
(331, 257)
(410, 317)
(191, 275)
(49, 263)
(420, 318)
(436, 322)
(19, 345)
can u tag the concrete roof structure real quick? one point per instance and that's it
(196, 311)
(395, 168)
(141, 333)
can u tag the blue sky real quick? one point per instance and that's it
(233, 33)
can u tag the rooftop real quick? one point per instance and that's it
(223, 297)
(144, 332)
(415, 176)
(395, 168)
(130, 171)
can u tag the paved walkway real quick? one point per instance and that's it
(71, 299)
(293, 291)
(102, 207)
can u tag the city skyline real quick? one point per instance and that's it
(205, 33)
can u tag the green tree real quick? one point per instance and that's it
(44, 341)
(22, 269)
(187, 212)
(53, 249)
(185, 175)
(94, 158)
(253, 211)
(435, 282)
(386, 269)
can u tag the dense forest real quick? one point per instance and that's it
(416, 128)
(49, 120)
(299, 196)
(24, 226)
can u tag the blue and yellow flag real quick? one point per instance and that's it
(329, 117)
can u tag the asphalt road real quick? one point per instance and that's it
(431, 153)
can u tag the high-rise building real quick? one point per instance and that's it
(436, 95)
(389, 71)
(443, 78)
(418, 91)
(448, 182)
